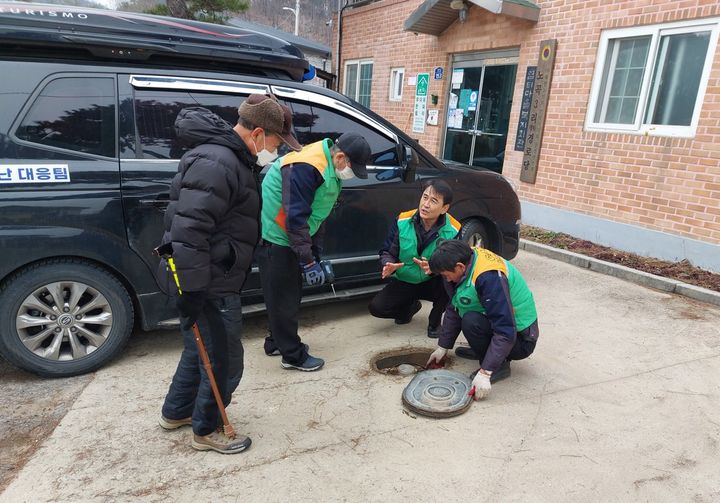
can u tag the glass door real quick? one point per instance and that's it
(479, 105)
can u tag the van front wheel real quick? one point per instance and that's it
(63, 317)
(475, 234)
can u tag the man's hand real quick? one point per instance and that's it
(481, 383)
(390, 268)
(313, 274)
(437, 356)
(423, 263)
(190, 306)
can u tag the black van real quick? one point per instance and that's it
(87, 151)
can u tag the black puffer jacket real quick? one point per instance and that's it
(213, 219)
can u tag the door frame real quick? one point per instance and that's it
(475, 60)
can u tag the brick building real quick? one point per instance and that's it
(630, 152)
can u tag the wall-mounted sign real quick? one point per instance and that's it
(421, 92)
(438, 73)
(432, 118)
(525, 108)
(538, 109)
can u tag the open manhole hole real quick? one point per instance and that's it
(402, 361)
(436, 392)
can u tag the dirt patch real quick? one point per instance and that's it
(32, 408)
(682, 271)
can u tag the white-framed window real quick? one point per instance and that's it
(397, 78)
(652, 79)
(358, 80)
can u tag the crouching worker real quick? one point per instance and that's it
(411, 239)
(492, 305)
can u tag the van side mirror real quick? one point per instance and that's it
(410, 162)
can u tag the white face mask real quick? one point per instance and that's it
(264, 156)
(344, 174)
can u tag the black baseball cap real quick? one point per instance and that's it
(358, 151)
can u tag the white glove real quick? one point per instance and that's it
(437, 356)
(481, 383)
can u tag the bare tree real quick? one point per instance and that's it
(178, 8)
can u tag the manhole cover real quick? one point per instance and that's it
(438, 393)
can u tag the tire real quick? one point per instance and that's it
(475, 233)
(40, 337)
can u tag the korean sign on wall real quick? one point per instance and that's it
(421, 91)
(538, 109)
(525, 108)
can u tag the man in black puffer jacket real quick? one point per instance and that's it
(213, 224)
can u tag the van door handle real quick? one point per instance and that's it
(162, 201)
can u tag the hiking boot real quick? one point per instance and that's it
(309, 365)
(173, 424)
(502, 373)
(219, 442)
(434, 332)
(411, 312)
(276, 351)
(466, 352)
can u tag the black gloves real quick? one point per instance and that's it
(190, 305)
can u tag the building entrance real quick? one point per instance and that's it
(479, 104)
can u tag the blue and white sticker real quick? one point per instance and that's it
(34, 173)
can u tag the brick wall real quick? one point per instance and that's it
(660, 183)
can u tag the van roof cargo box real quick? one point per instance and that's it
(65, 32)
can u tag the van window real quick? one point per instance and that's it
(155, 113)
(73, 113)
(326, 123)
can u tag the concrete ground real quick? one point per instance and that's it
(620, 402)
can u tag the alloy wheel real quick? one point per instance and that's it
(64, 320)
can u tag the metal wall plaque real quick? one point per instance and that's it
(538, 109)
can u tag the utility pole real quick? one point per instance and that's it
(295, 11)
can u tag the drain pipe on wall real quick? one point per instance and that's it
(338, 59)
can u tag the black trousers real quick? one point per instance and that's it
(190, 393)
(477, 330)
(396, 299)
(282, 289)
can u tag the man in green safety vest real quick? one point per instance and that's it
(491, 304)
(298, 193)
(412, 239)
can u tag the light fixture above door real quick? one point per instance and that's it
(461, 6)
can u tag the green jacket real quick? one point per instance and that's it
(466, 297)
(407, 239)
(273, 216)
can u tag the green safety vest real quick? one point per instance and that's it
(273, 216)
(466, 298)
(407, 238)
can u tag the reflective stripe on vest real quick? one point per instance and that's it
(407, 239)
(466, 298)
(273, 214)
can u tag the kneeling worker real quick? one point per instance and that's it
(492, 305)
(299, 192)
(411, 239)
